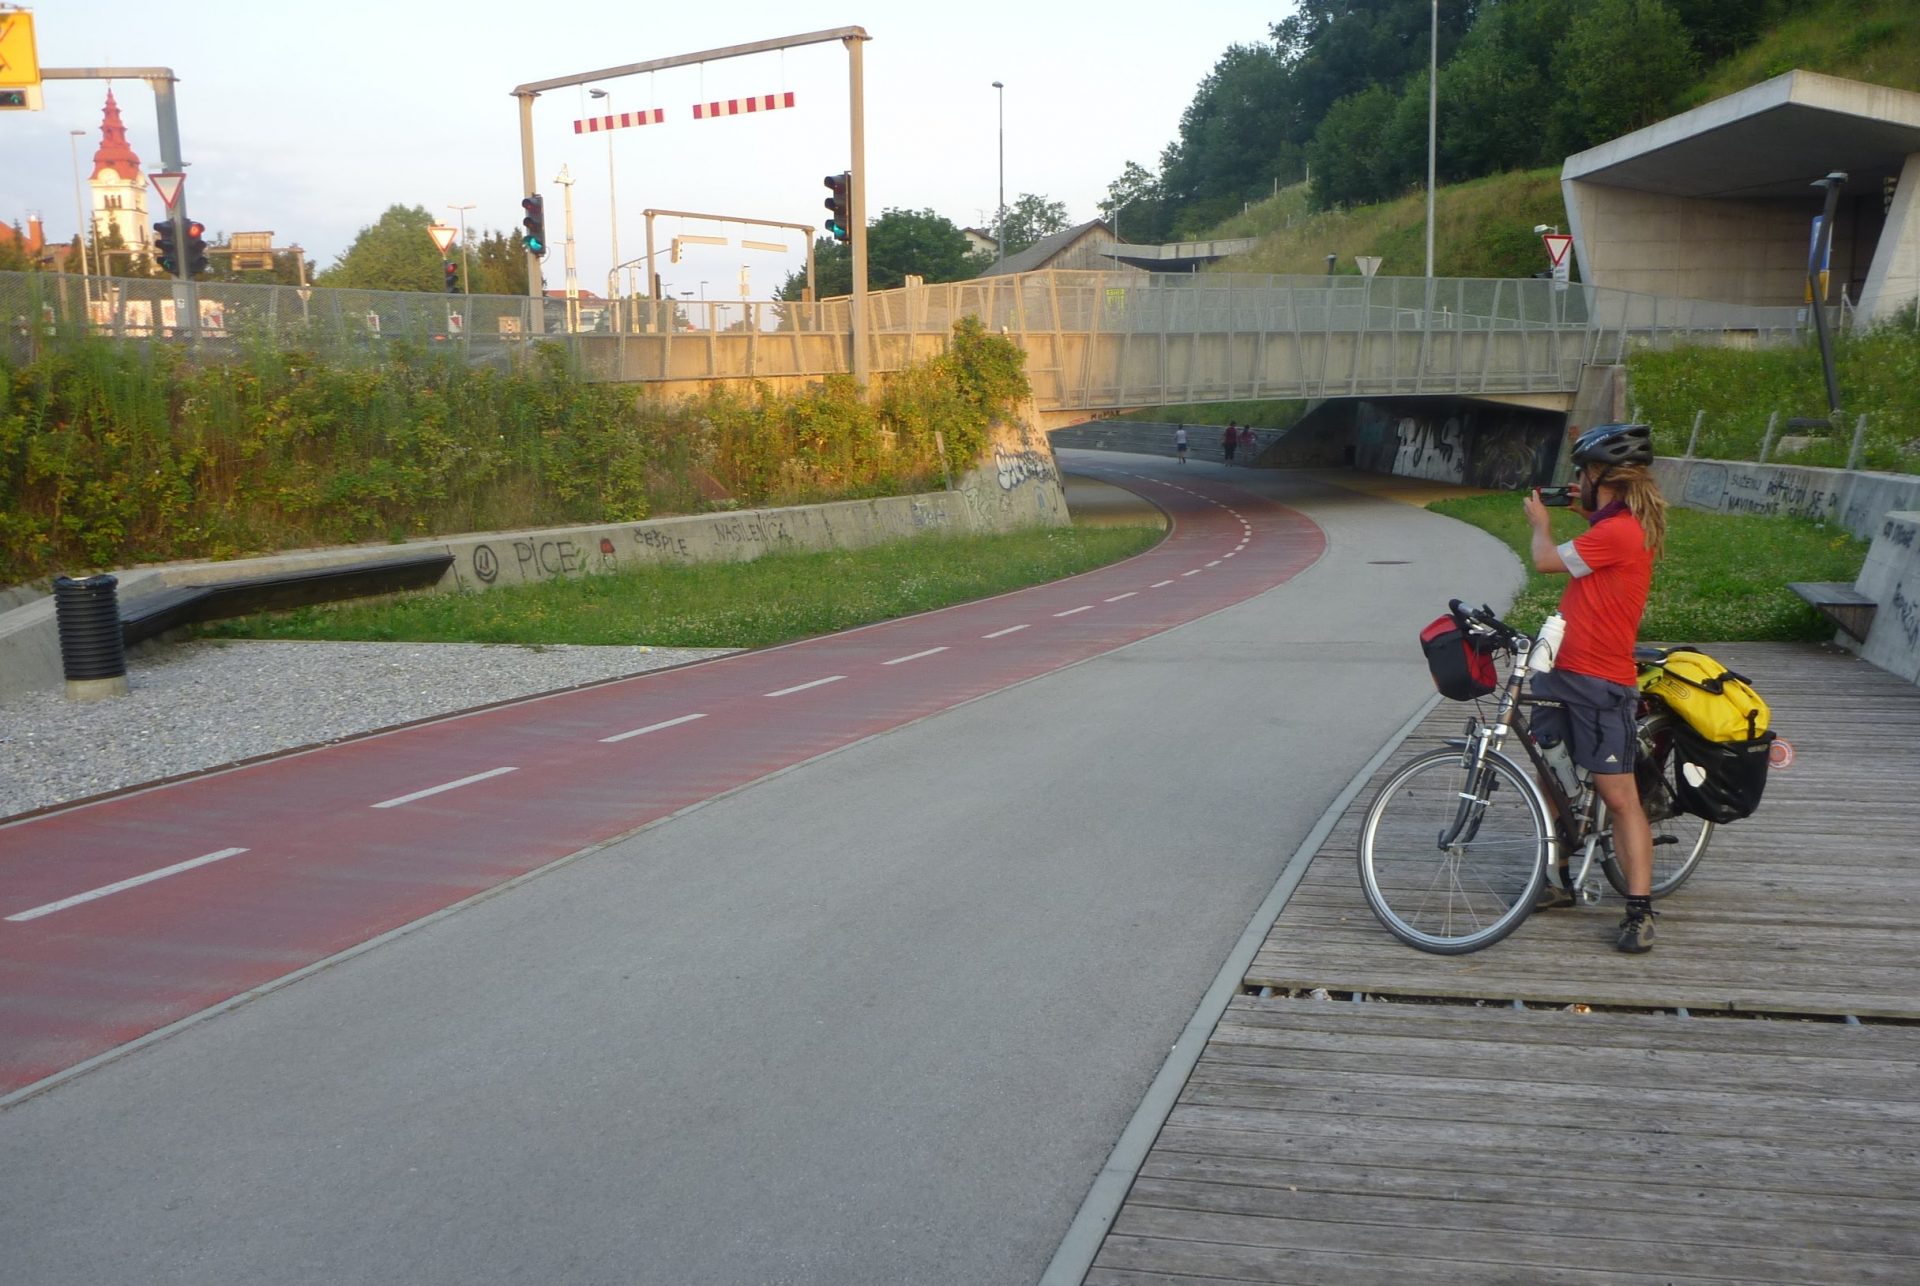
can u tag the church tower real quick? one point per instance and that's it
(119, 190)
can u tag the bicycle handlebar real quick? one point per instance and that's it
(1483, 616)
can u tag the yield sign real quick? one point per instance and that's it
(442, 236)
(1558, 243)
(167, 184)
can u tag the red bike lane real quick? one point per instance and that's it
(121, 916)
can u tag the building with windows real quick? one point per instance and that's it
(119, 194)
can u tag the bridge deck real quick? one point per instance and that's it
(1458, 1139)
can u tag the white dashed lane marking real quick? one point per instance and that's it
(1072, 610)
(1194, 572)
(652, 727)
(1011, 629)
(902, 660)
(443, 787)
(1157, 584)
(106, 889)
(802, 687)
(1117, 597)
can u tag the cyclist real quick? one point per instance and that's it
(1612, 569)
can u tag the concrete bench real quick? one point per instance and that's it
(1840, 603)
(151, 615)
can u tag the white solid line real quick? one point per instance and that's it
(1157, 584)
(1071, 610)
(1194, 572)
(1117, 597)
(105, 889)
(652, 727)
(1011, 629)
(802, 687)
(899, 660)
(451, 785)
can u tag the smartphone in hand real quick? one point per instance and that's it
(1556, 497)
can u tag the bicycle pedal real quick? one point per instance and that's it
(1590, 892)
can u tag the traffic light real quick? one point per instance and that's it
(452, 271)
(166, 248)
(535, 223)
(839, 189)
(194, 250)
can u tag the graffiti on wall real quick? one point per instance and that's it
(1762, 490)
(1473, 446)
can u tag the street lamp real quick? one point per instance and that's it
(1001, 91)
(1433, 111)
(466, 284)
(613, 201)
(79, 210)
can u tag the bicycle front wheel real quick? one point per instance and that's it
(1449, 881)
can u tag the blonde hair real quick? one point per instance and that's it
(1636, 485)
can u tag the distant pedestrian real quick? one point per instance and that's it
(1228, 441)
(1180, 442)
(1246, 442)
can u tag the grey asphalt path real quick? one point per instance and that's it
(876, 1019)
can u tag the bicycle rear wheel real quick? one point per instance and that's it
(1679, 839)
(1441, 885)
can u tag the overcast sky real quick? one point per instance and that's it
(311, 119)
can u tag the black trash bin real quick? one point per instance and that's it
(93, 653)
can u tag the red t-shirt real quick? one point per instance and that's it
(1612, 571)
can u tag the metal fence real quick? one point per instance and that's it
(1093, 339)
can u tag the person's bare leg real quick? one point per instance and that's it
(1632, 833)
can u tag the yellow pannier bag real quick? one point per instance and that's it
(1715, 702)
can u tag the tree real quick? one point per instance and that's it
(899, 243)
(1031, 218)
(1623, 64)
(1346, 153)
(393, 254)
(1136, 206)
(497, 264)
(13, 252)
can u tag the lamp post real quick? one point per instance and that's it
(80, 212)
(613, 205)
(1001, 238)
(466, 284)
(1433, 109)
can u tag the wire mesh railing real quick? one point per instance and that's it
(1094, 338)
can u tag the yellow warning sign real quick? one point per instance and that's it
(19, 62)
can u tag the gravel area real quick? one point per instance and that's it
(207, 703)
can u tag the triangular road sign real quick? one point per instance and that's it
(167, 184)
(442, 236)
(1558, 243)
(1368, 264)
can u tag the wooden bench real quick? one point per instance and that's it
(154, 614)
(1840, 603)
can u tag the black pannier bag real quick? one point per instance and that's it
(1461, 669)
(1721, 781)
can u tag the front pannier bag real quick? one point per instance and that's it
(1461, 670)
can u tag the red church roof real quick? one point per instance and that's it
(115, 154)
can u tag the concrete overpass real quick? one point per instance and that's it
(1098, 341)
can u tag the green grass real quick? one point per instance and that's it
(1280, 414)
(1877, 41)
(1723, 577)
(773, 599)
(1879, 376)
(1481, 228)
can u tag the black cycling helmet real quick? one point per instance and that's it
(1612, 444)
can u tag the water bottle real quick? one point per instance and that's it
(1560, 764)
(1546, 647)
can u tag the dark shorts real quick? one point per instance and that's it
(1596, 720)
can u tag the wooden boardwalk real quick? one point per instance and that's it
(1678, 1116)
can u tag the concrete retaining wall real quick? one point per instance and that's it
(1891, 578)
(1017, 486)
(1854, 500)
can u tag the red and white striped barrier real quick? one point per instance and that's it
(739, 106)
(622, 120)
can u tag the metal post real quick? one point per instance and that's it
(565, 181)
(535, 286)
(1000, 237)
(82, 225)
(1859, 440)
(1433, 109)
(613, 211)
(1832, 184)
(653, 280)
(466, 282)
(857, 199)
(1766, 443)
(1693, 439)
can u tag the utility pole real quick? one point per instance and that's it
(565, 180)
(466, 284)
